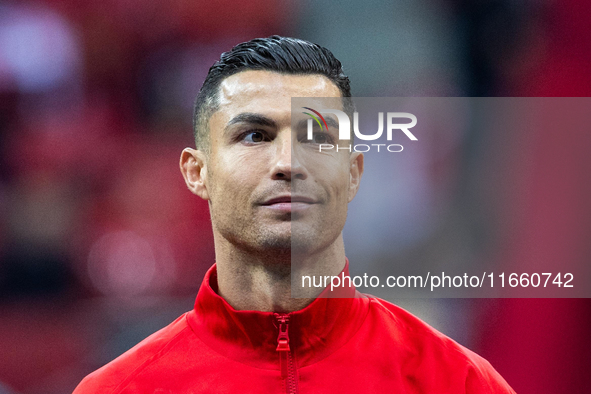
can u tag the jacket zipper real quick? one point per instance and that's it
(286, 362)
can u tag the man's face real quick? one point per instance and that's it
(268, 187)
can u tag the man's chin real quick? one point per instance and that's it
(290, 244)
(276, 244)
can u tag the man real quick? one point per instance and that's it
(274, 201)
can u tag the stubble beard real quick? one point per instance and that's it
(275, 247)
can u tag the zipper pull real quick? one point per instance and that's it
(283, 337)
(283, 342)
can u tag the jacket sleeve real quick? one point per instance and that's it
(99, 381)
(482, 378)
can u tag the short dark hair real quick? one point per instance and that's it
(276, 53)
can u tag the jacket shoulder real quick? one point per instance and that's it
(114, 376)
(438, 350)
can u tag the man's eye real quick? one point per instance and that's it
(254, 137)
(320, 138)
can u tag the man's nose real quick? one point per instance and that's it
(287, 165)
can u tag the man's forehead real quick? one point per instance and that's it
(260, 88)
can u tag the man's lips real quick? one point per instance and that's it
(290, 199)
(289, 203)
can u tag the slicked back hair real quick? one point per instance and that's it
(276, 53)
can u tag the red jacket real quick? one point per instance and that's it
(335, 345)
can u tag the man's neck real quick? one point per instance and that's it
(253, 282)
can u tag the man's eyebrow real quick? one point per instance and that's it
(330, 122)
(252, 118)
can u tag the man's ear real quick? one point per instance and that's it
(194, 168)
(355, 173)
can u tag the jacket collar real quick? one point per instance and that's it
(250, 337)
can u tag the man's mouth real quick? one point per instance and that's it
(289, 203)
